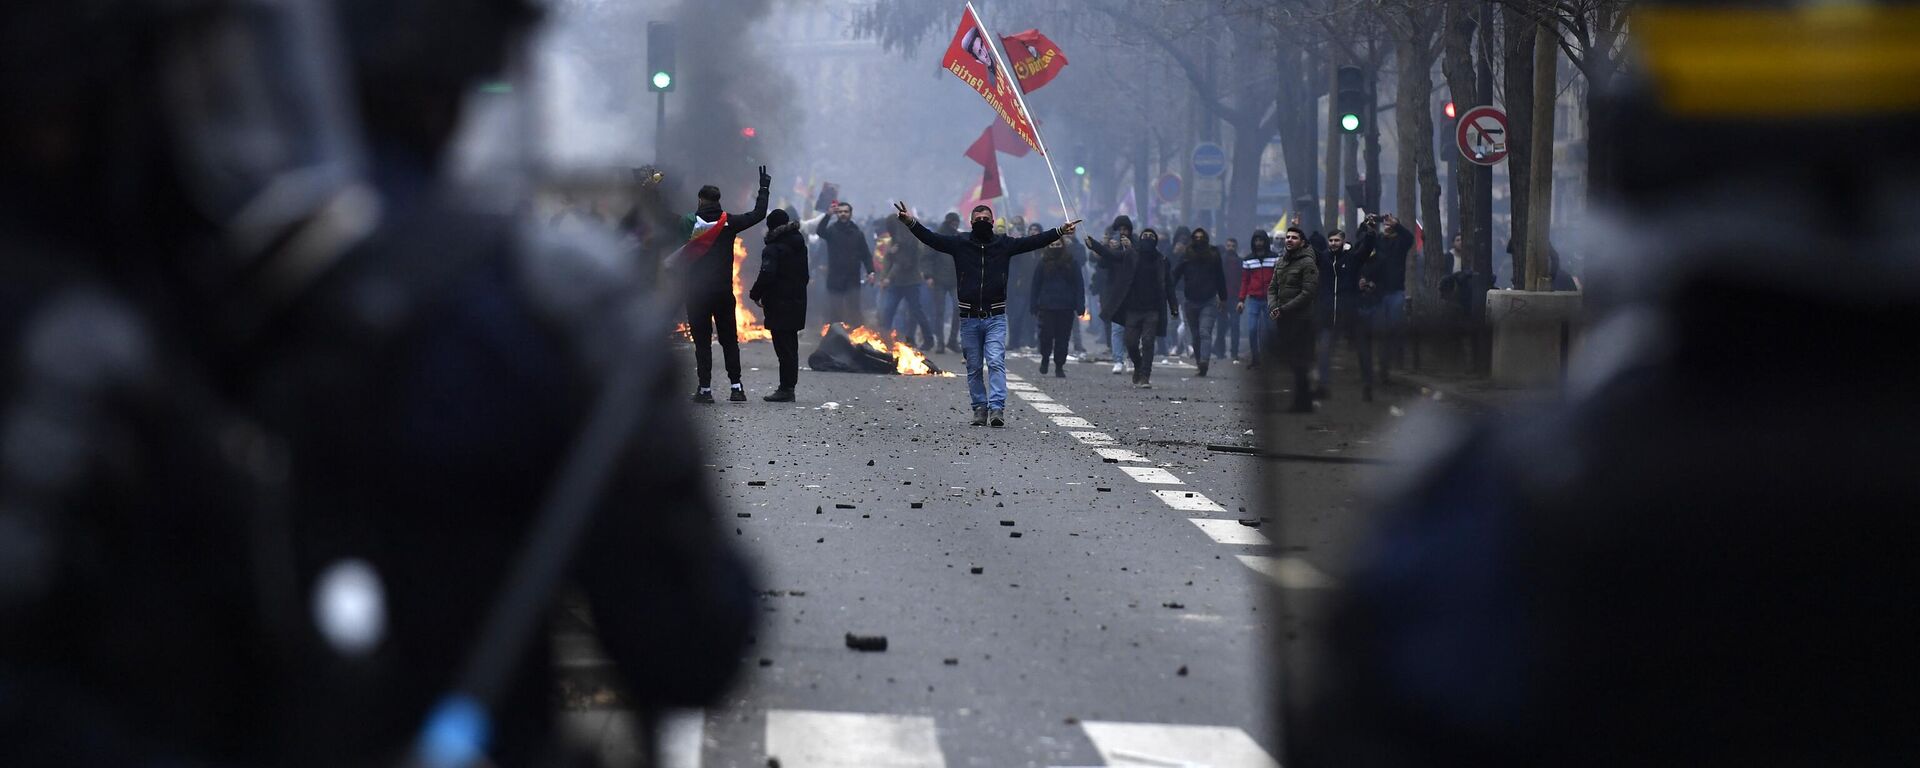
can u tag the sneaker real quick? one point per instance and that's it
(703, 395)
(1119, 366)
(1143, 384)
(997, 418)
(781, 395)
(979, 417)
(1203, 369)
(1060, 372)
(738, 395)
(1043, 367)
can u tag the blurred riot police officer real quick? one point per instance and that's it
(166, 170)
(1702, 556)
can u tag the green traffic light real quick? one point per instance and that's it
(1350, 122)
(1079, 170)
(662, 80)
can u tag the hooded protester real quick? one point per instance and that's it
(1226, 333)
(1386, 243)
(1139, 297)
(707, 263)
(1290, 296)
(901, 283)
(1204, 294)
(781, 291)
(1059, 295)
(980, 262)
(1019, 290)
(849, 263)
(1256, 270)
(1119, 234)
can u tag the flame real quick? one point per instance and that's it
(745, 323)
(685, 331)
(907, 360)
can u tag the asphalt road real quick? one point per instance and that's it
(1075, 589)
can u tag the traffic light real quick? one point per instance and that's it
(660, 47)
(749, 132)
(1350, 98)
(1449, 111)
(1079, 170)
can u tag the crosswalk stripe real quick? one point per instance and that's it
(1021, 386)
(680, 734)
(1119, 454)
(1050, 408)
(1288, 572)
(1228, 531)
(1154, 475)
(1094, 438)
(1072, 421)
(1188, 501)
(1014, 377)
(1033, 397)
(1155, 745)
(803, 739)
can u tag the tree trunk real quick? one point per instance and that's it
(1519, 45)
(1299, 134)
(1370, 154)
(1458, 67)
(1142, 186)
(1335, 137)
(1546, 82)
(1243, 187)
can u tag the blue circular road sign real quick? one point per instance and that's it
(1209, 160)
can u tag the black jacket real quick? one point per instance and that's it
(1201, 277)
(1121, 266)
(1386, 258)
(781, 287)
(849, 254)
(712, 272)
(980, 269)
(1058, 285)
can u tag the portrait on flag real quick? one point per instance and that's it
(971, 57)
(1036, 60)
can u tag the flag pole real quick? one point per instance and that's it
(993, 43)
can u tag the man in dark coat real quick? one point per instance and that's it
(1385, 243)
(1205, 293)
(1058, 296)
(902, 281)
(1290, 295)
(980, 262)
(1226, 332)
(1020, 325)
(707, 263)
(1348, 315)
(940, 309)
(849, 263)
(781, 290)
(1138, 298)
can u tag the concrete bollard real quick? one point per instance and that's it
(1533, 336)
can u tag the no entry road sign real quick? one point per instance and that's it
(1482, 135)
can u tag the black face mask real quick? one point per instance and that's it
(982, 230)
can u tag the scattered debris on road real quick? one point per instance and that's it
(866, 642)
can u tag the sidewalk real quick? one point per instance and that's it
(1476, 392)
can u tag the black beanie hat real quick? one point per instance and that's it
(777, 218)
(710, 192)
(1121, 222)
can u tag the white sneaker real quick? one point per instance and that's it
(1119, 366)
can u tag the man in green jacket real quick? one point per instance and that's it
(1290, 295)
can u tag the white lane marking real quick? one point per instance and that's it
(1050, 408)
(1020, 386)
(1014, 377)
(681, 732)
(1154, 745)
(1228, 531)
(1073, 421)
(1119, 454)
(1189, 501)
(1094, 438)
(1153, 475)
(802, 739)
(1288, 572)
(1033, 397)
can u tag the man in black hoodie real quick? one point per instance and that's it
(1138, 287)
(781, 292)
(1205, 293)
(980, 262)
(706, 264)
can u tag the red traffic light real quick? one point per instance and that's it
(1448, 109)
(749, 132)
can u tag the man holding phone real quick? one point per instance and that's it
(981, 260)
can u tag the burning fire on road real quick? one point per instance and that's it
(872, 354)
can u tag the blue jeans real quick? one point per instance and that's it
(1224, 329)
(1252, 321)
(916, 316)
(985, 337)
(1200, 317)
(1389, 322)
(1117, 341)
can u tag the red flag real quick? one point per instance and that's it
(1005, 140)
(971, 58)
(1035, 59)
(982, 150)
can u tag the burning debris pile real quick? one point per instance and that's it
(860, 350)
(745, 323)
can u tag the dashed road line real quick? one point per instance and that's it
(1188, 501)
(1288, 572)
(1119, 454)
(1032, 397)
(1229, 532)
(1156, 745)
(1152, 475)
(1094, 438)
(1050, 408)
(1074, 422)
(804, 739)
